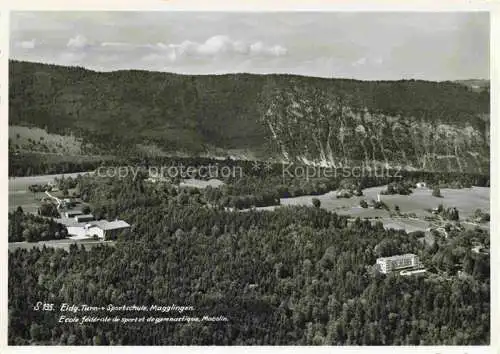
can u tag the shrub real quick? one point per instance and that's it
(451, 214)
(481, 216)
(379, 205)
(48, 209)
(344, 194)
(436, 192)
(398, 188)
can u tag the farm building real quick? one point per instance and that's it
(102, 229)
(106, 229)
(77, 230)
(82, 218)
(72, 213)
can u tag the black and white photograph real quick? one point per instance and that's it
(210, 178)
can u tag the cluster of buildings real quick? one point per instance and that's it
(406, 264)
(84, 226)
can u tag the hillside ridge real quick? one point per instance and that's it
(413, 123)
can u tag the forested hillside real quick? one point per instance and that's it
(419, 124)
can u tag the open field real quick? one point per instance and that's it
(36, 139)
(198, 183)
(409, 225)
(22, 183)
(466, 200)
(19, 195)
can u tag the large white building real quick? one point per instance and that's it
(102, 229)
(106, 229)
(389, 264)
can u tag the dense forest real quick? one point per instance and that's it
(32, 228)
(426, 125)
(296, 275)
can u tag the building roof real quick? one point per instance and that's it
(117, 224)
(84, 216)
(102, 224)
(73, 212)
(110, 225)
(399, 256)
(70, 222)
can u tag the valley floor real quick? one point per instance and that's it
(19, 195)
(466, 200)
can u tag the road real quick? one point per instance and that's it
(19, 195)
(65, 243)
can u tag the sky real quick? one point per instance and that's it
(361, 45)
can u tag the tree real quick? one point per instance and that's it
(452, 214)
(316, 202)
(396, 209)
(468, 264)
(481, 216)
(481, 268)
(436, 192)
(363, 204)
(35, 332)
(48, 209)
(28, 235)
(97, 340)
(72, 339)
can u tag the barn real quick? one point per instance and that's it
(84, 218)
(102, 229)
(106, 230)
(72, 213)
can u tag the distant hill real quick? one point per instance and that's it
(418, 124)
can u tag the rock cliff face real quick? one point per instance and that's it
(317, 128)
(332, 122)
